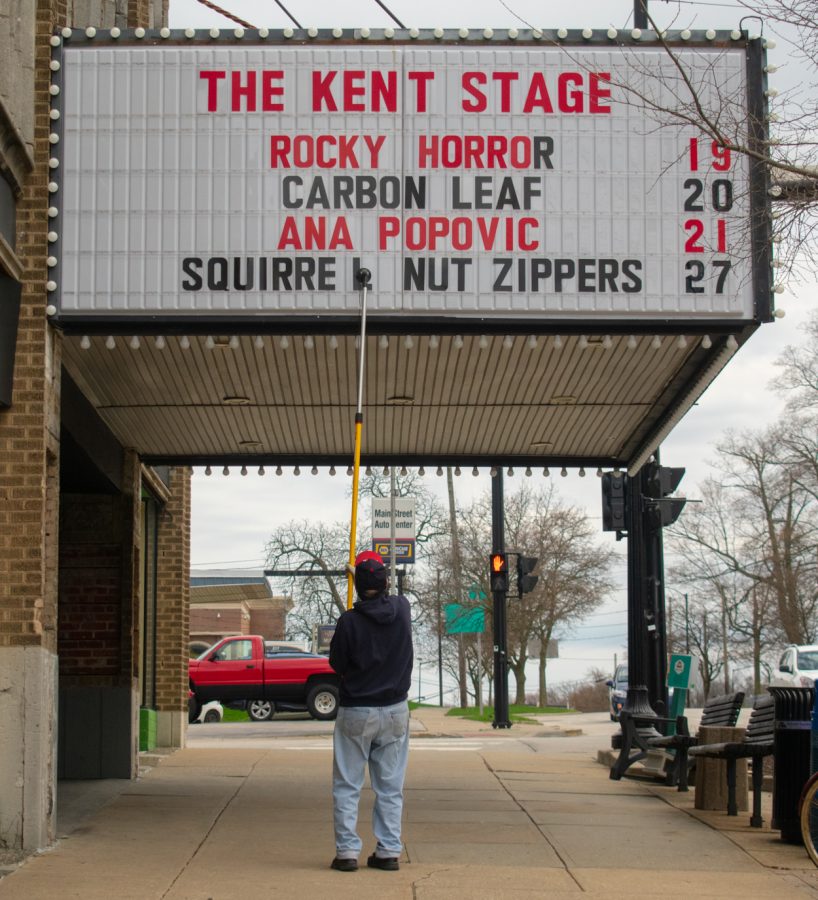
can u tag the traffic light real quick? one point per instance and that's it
(498, 571)
(661, 509)
(614, 504)
(526, 582)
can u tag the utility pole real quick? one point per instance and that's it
(687, 626)
(640, 14)
(439, 643)
(498, 546)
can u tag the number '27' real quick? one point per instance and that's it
(696, 268)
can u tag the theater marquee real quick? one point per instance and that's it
(523, 179)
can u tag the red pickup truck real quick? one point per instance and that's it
(264, 676)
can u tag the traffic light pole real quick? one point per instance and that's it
(657, 628)
(637, 702)
(498, 545)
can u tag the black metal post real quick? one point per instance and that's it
(498, 545)
(640, 20)
(656, 630)
(637, 702)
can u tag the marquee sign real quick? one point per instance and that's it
(515, 179)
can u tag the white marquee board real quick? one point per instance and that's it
(509, 181)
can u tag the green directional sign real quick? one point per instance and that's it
(464, 619)
(678, 671)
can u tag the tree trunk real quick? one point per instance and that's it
(519, 677)
(724, 645)
(458, 589)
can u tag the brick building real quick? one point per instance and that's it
(224, 603)
(94, 545)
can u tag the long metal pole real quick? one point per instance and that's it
(439, 642)
(363, 277)
(498, 545)
(640, 13)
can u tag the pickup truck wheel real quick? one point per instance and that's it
(261, 710)
(322, 702)
(194, 708)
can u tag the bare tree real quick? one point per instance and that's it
(573, 569)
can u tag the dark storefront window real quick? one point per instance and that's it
(147, 617)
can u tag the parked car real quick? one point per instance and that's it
(243, 669)
(798, 667)
(203, 712)
(617, 691)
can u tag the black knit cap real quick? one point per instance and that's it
(370, 575)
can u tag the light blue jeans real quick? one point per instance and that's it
(378, 736)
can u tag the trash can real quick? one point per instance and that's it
(791, 756)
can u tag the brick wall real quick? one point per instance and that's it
(219, 621)
(173, 595)
(29, 429)
(90, 613)
(268, 622)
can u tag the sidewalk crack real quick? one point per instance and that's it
(530, 818)
(209, 831)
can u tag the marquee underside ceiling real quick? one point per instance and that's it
(573, 400)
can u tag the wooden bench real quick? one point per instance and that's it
(720, 711)
(755, 745)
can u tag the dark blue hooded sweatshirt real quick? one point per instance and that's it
(372, 652)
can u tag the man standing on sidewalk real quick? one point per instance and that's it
(372, 652)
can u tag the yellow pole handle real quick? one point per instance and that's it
(353, 527)
(363, 277)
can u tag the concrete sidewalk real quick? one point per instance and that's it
(502, 821)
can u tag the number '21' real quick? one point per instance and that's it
(695, 229)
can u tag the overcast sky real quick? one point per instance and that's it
(233, 516)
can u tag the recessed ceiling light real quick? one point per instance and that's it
(400, 400)
(563, 400)
(236, 401)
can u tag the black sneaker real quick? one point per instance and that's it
(387, 863)
(344, 865)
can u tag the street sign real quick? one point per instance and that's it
(678, 672)
(404, 527)
(404, 550)
(464, 619)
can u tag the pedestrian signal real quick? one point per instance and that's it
(498, 571)
(525, 581)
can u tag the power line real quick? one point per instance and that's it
(389, 12)
(225, 13)
(286, 12)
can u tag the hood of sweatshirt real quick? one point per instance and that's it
(382, 609)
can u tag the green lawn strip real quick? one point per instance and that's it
(235, 715)
(519, 714)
